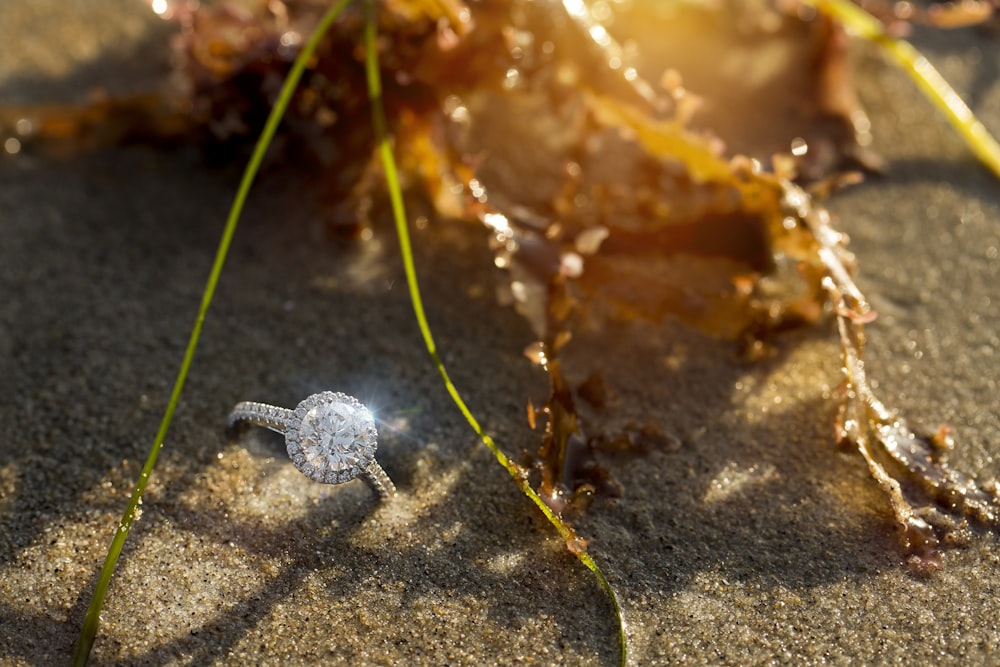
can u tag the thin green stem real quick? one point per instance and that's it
(88, 632)
(399, 215)
(927, 78)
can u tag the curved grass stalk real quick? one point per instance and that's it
(575, 544)
(927, 78)
(91, 621)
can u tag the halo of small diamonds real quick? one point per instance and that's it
(331, 437)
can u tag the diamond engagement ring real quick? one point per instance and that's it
(331, 438)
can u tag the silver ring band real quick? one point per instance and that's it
(331, 438)
(260, 414)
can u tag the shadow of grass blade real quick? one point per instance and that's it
(575, 544)
(90, 624)
(927, 78)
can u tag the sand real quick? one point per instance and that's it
(750, 538)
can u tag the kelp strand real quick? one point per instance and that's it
(928, 79)
(574, 543)
(91, 621)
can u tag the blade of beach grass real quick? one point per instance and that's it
(91, 621)
(575, 544)
(927, 78)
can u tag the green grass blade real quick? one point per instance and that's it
(927, 78)
(399, 215)
(90, 624)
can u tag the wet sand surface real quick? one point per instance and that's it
(747, 537)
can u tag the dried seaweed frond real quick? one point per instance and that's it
(895, 453)
(451, 15)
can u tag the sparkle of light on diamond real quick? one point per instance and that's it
(333, 437)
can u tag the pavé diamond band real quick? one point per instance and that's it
(331, 437)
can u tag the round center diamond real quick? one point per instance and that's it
(336, 439)
(333, 436)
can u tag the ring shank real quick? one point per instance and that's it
(261, 414)
(379, 480)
